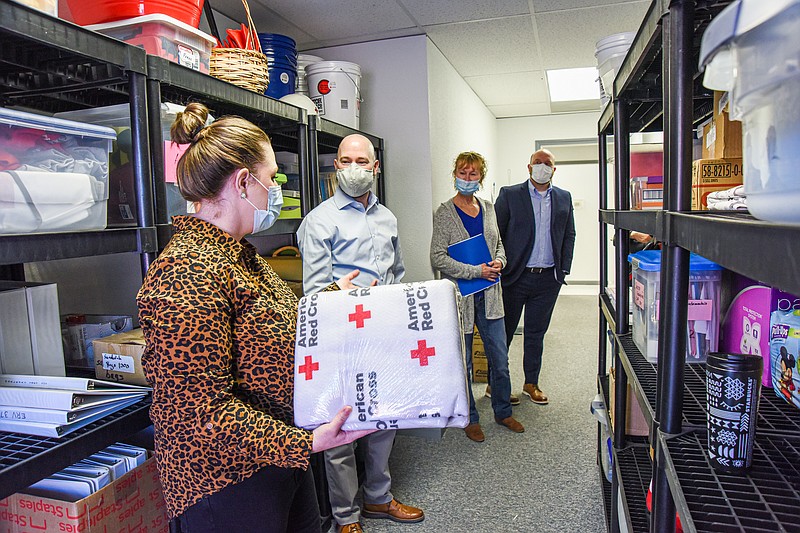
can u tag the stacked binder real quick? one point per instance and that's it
(51, 406)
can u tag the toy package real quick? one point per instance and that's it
(395, 353)
(784, 345)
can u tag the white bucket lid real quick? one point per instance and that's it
(623, 39)
(333, 66)
(308, 58)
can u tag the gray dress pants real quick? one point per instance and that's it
(340, 468)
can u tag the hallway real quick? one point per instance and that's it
(544, 480)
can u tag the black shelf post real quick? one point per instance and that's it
(603, 201)
(141, 157)
(675, 260)
(157, 153)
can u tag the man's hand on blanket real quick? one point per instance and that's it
(330, 435)
(346, 282)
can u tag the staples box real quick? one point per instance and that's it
(134, 502)
(119, 358)
(711, 175)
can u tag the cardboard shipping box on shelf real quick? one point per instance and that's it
(480, 365)
(711, 175)
(78, 332)
(133, 502)
(635, 422)
(119, 358)
(722, 137)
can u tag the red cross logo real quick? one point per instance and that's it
(308, 368)
(423, 352)
(360, 316)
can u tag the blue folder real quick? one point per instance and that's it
(472, 251)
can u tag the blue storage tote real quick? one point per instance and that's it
(702, 328)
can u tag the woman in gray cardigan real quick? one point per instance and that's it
(464, 216)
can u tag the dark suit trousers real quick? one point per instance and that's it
(537, 293)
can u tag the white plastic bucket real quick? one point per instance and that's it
(303, 60)
(335, 88)
(610, 52)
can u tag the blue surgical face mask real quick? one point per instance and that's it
(467, 187)
(263, 219)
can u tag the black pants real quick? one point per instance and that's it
(273, 500)
(537, 293)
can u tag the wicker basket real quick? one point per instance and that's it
(244, 68)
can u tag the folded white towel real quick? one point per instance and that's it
(730, 204)
(727, 194)
(394, 353)
(50, 201)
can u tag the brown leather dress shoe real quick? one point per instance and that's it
(350, 528)
(511, 423)
(394, 510)
(535, 394)
(513, 399)
(474, 432)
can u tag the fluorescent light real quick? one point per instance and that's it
(568, 84)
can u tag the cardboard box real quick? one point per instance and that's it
(119, 358)
(480, 365)
(711, 175)
(78, 332)
(635, 422)
(134, 502)
(722, 137)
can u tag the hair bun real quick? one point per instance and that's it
(189, 124)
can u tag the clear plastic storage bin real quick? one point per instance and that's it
(122, 208)
(165, 37)
(752, 49)
(53, 173)
(702, 328)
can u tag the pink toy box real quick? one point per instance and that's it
(746, 326)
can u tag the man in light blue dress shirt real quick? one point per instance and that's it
(348, 231)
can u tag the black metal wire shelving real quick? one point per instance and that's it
(765, 500)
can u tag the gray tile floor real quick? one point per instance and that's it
(544, 480)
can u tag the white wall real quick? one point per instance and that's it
(394, 86)
(459, 122)
(427, 114)
(516, 142)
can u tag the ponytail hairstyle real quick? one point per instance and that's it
(216, 151)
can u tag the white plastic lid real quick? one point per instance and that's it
(57, 125)
(735, 20)
(155, 17)
(333, 66)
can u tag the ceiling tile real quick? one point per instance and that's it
(512, 88)
(591, 25)
(340, 20)
(520, 110)
(540, 6)
(488, 47)
(429, 12)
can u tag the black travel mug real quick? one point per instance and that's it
(733, 389)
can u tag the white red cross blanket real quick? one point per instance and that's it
(393, 352)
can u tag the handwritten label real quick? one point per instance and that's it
(638, 294)
(115, 362)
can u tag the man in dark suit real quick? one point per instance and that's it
(537, 227)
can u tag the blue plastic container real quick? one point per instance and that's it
(702, 328)
(281, 52)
